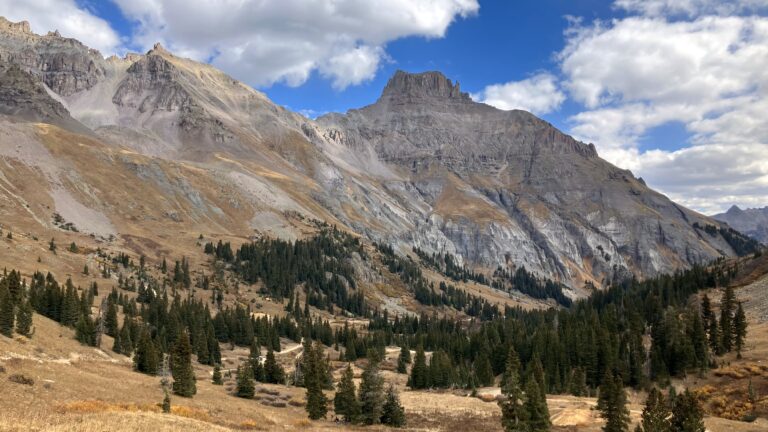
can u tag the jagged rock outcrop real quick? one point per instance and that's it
(423, 166)
(752, 221)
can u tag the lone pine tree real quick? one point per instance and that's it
(216, 379)
(345, 401)
(419, 373)
(371, 394)
(181, 367)
(245, 388)
(314, 380)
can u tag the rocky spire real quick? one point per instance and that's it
(425, 84)
(21, 26)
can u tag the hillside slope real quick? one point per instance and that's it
(153, 148)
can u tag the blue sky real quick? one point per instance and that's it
(675, 90)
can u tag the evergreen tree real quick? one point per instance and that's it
(371, 394)
(181, 367)
(6, 312)
(85, 330)
(726, 319)
(216, 379)
(612, 404)
(126, 343)
(345, 401)
(24, 319)
(514, 413)
(535, 409)
(403, 360)
(739, 329)
(656, 413)
(483, 369)
(578, 384)
(110, 320)
(419, 373)
(145, 359)
(393, 413)
(314, 380)
(245, 388)
(687, 415)
(273, 372)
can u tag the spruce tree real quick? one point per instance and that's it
(85, 330)
(273, 372)
(245, 388)
(371, 394)
(345, 401)
(535, 409)
(216, 379)
(419, 373)
(181, 367)
(726, 319)
(314, 379)
(403, 360)
(110, 320)
(393, 414)
(6, 312)
(656, 413)
(514, 413)
(612, 404)
(145, 359)
(24, 319)
(687, 415)
(739, 329)
(483, 369)
(578, 385)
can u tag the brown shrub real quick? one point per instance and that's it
(21, 379)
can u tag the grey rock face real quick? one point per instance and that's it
(752, 222)
(554, 205)
(65, 65)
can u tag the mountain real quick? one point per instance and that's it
(153, 150)
(752, 222)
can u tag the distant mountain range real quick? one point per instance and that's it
(752, 222)
(152, 148)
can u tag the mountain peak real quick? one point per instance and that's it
(424, 84)
(21, 26)
(158, 48)
(734, 209)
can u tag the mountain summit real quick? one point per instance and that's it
(132, 148)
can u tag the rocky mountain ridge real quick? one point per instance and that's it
(752, 221)
(199, 152)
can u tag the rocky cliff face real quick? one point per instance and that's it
(507, 186)
(752, 222)
(197, 151)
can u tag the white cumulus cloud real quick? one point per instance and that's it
(707, 71)
(538, 94)
(266, 41)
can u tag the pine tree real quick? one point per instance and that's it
(403, 360)
(393, 413)
(612, 404)
(371, 394)
(245, 388)
(345, 401)
(126, 344)
(6, 312)
(739, 329)
(216, 380)
(514, 415)
(110, 320)
(726, 319)
(419, 373)
(181, 367)
(314, 378)
(24, 319)
(535, 409)
(85, 330)
(145, 359)
(578, 385)
(273, 372)
(687, 415)
(483, 369)
(656, 413)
